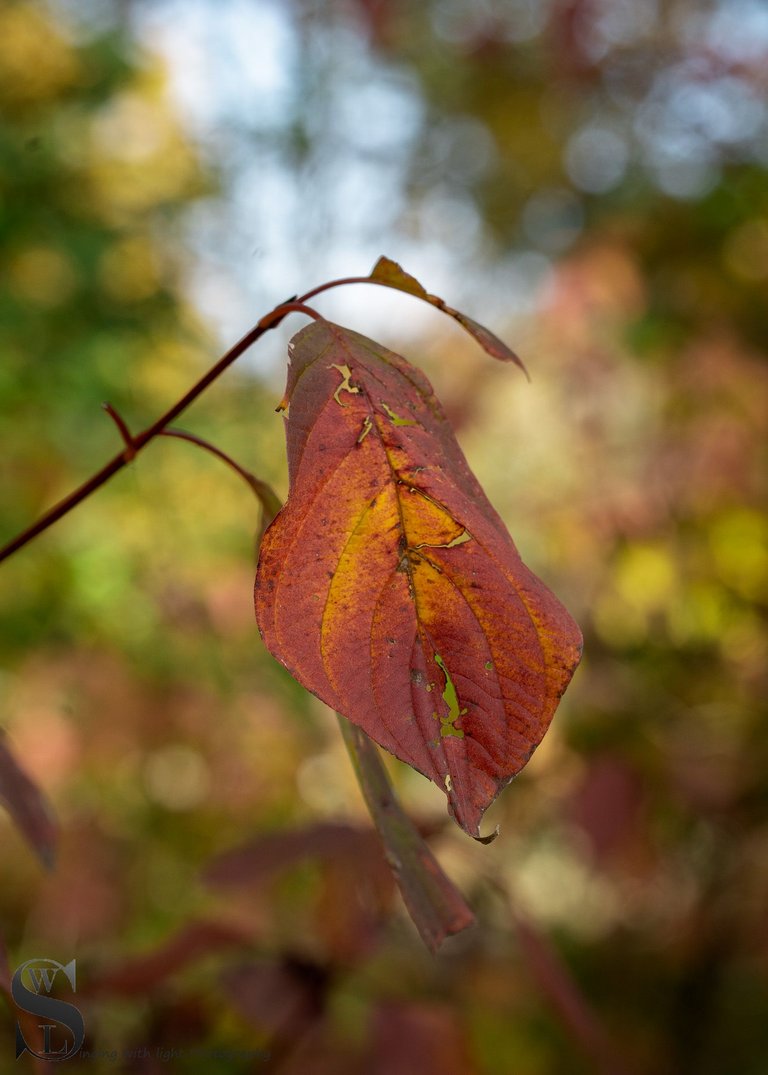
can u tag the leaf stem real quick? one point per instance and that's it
(434, 903)
(266, 494)
(269, 500)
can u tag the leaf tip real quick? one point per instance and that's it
(489, 838)
(391, 274)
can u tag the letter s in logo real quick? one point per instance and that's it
(42, 974)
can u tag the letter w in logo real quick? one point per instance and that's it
(62, 1021)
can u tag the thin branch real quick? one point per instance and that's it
(136, 443)
(64, 506)
(554, 979)
(297, 307)
(339, 283)
(434, 903)
(565, 997)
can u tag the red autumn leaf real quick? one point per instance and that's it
(390, 588)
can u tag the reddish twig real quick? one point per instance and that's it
(338, 283)
(566, 998)
(558, 986)
(134, 444)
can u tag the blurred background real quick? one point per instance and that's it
(587, 178)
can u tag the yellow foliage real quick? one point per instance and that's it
(167, 368)
(138, 156)
(644, 584)
(701, 615)
(739, 544)
(36, 59)
(128, 270)
(746, 250)
(646, 577)
(43, 276)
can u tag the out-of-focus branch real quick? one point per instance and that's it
(434, 903)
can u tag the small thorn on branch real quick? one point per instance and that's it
(125, 433)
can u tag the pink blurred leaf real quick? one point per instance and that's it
(417, 1037)
(258, 860)
(608, 805)
(5, 970)
(276, 995)
(143, 973)
(27, 805)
